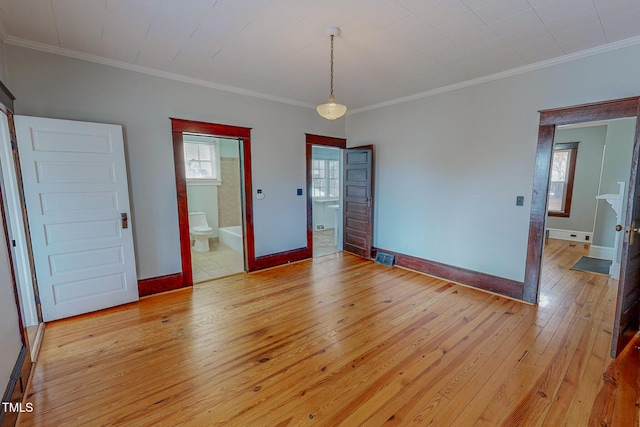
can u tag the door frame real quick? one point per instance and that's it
(549, 120)
(178, 127)
(311, 140)
(19, 228)
(16, 387)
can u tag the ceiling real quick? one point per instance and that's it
(278, 49)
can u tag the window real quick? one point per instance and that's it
(202, 162)
(326, 178)
(563, 168)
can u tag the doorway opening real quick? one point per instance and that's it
(324, 194)
(627, 317)
(326, 168)
(590, 168)
(214, 200)
(216, 231)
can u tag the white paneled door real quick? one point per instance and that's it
(77, 198)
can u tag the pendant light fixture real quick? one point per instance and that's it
(331, 110)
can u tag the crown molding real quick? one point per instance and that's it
(513, 72)
(8, 39)
(15, 41)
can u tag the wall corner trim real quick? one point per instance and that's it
(483, 281)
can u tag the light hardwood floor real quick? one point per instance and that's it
(343, 341)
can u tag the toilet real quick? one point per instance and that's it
(200, 231)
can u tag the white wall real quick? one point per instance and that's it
(616, 167)
(449, 166)
(54, 86)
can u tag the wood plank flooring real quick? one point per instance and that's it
(343, 341)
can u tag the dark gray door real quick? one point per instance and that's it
(358, 201)
(627, 318)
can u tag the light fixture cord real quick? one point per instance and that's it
(332, 65)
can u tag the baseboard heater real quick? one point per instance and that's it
(385, 258)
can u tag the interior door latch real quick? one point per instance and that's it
(124, 220)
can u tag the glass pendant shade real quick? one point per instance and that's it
(331, 110)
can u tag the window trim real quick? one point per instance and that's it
(573, 157)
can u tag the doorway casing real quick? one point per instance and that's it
(178, 128)
(628, 288)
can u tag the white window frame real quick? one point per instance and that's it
(215, 164)
(326, 178)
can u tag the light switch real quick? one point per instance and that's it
(519, 200)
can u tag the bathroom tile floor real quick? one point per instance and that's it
(220, 261)
(323, 243)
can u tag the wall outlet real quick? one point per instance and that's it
(319, 227)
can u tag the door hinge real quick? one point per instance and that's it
(37, 298)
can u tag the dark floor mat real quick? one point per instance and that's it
(593, 265)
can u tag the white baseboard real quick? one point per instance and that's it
(576, 236)
(614, 271)
(602, 252)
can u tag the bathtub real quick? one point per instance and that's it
(231, 237)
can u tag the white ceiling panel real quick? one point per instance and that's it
(168, 28)
(467, 31)
(622, 26)
(79, 26)
(495, 45)
(30, 20)
(540, 53)
(328, 12)
(442, 12)
(461, 26)
(583, 43)
(587, 19)
(192, 10)
(538, 49)
(120, 45)
(387, 48)
(559, 8)
(610, 8)
(523, 22)
(409, 28)
(355, 7)
(384, 14)
(568, 35)
(156, 55)
(497, 10)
